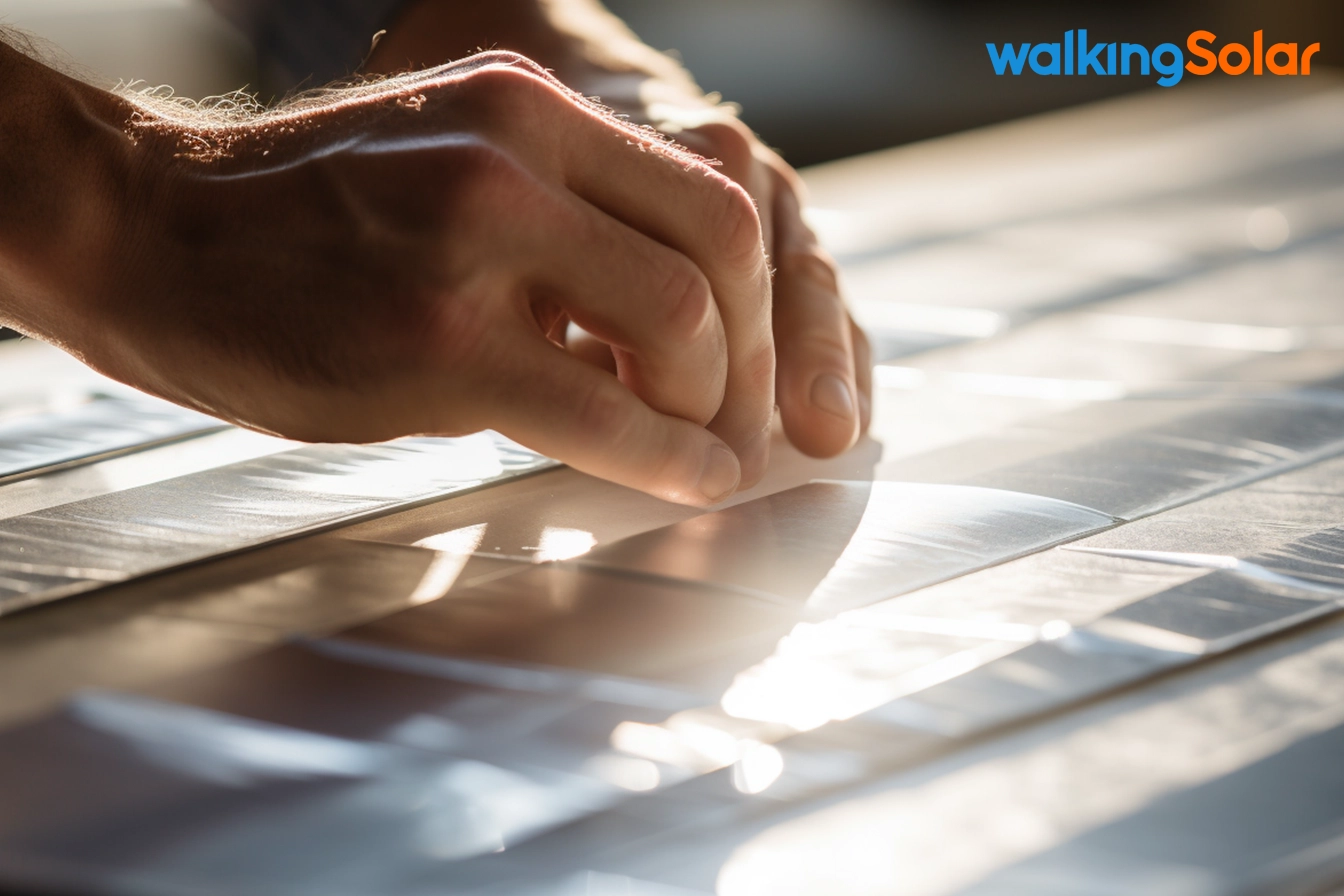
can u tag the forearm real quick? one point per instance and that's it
(64, 164)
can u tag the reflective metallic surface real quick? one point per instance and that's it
(832, 545)
(674, 632)
(1133, 457)
(81, 546)
(1066, 622)
(52, 438)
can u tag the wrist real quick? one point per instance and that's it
(66, 166)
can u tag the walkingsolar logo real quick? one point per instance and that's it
(1075, 56)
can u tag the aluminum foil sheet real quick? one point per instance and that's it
(34, 443)
(557, 709)
(112, 538)
(829, 546)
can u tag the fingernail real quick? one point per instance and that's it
(720, 474)
(831, 394)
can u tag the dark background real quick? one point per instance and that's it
(821, 79)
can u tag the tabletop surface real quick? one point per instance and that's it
(1066, 621)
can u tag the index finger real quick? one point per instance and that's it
(680, 201)
(554, 403)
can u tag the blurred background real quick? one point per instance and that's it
(818, 79)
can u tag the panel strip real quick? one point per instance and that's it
(113, 538)
(56, 438)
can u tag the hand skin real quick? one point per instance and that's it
(399, 259)
(824, 375)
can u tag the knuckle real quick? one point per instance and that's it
(729, 142)
(503, 90)
(738, 229)
(863, 349)
(686, 301)
(759, 368)
(824, 350)
(602, 411)
(811, 264)
(479, 177)
(670, 468)
(784, 177)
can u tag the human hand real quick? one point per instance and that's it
(824, 375)
(403, 259)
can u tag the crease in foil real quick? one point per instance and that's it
(1238, 602)
(834, 545)
(62, 436)
(79, 546)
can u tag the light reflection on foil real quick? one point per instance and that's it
(836, 669)
(626, 772)
(560, 543)
(760, 766)
(683, 741)
(703, 740)
(455, 548)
